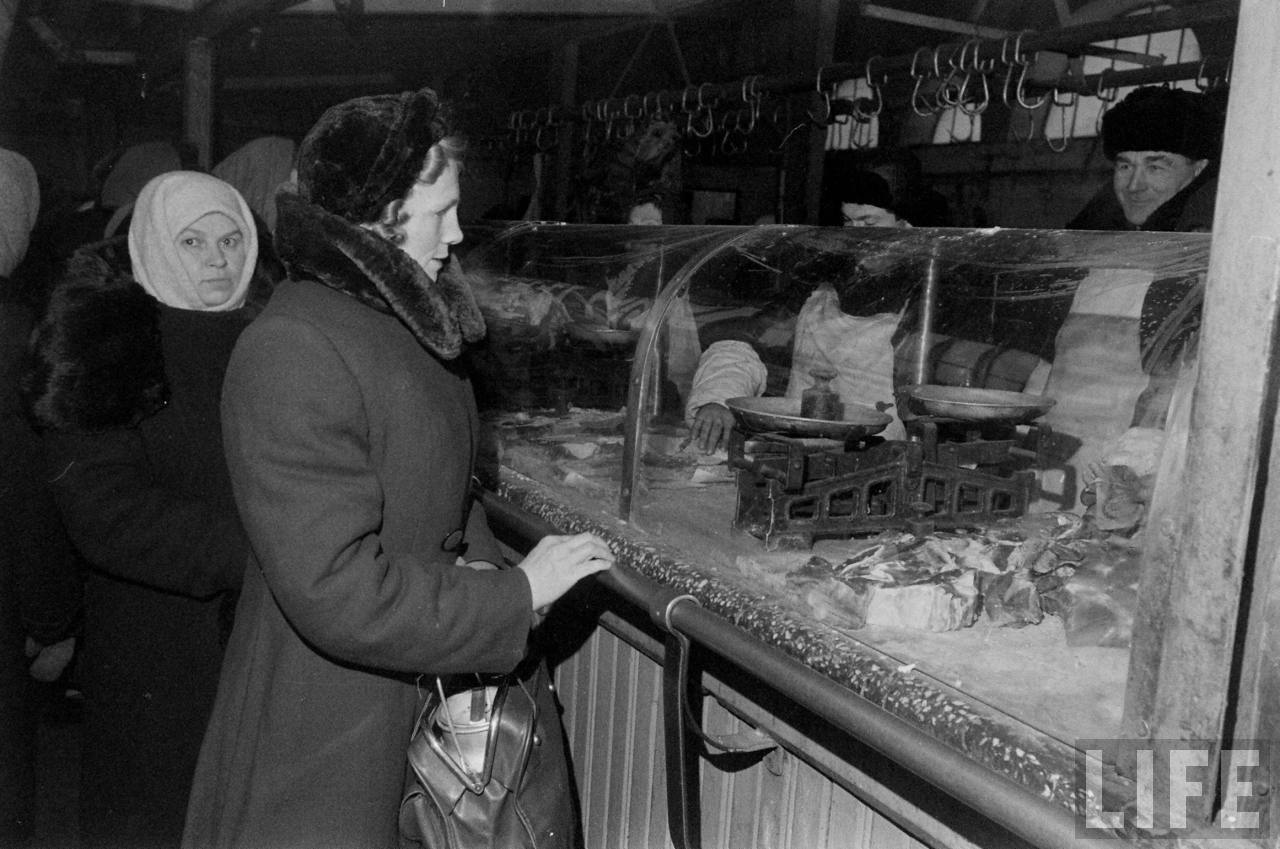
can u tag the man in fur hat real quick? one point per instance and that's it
(1164, 143)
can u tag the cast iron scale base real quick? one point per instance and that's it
(946, 474)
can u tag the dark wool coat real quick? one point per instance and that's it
(40, 580)
(1189, 211)
(126, 390)
(351, 448)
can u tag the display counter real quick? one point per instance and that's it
(959, 546)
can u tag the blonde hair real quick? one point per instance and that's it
(447, 151)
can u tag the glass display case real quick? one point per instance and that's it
(940, 444)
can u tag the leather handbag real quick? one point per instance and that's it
(518, 795)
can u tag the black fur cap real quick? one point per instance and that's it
(364, 153)
(1164, 119)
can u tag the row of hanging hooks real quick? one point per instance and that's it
(704, 115)
(963, 76)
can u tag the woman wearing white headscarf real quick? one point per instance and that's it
(129, 361)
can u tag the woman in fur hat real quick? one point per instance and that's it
(127, 369)
(351, 433)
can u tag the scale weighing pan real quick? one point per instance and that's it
(968, 404)
(782, 415)
(602, 335)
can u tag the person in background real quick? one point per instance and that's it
(126, 372)
(731, 368)
(863, 199)
(39, 576)
(644, 212)
(258, 170)
(1164, 145)
(136, 166)
(351, 435)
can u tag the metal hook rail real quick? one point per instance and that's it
(978, 56)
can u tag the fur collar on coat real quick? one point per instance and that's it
(95, 361)
(317, 245)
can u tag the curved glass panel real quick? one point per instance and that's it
(972, 509)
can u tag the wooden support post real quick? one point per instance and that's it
(1248, 213)
(197, 99)
(1206, 525)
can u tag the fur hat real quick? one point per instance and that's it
(1165, 119)
(864, 187)
(364, 153)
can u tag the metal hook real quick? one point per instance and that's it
(981, 105)
(702, 105)
(626, 106)
(1018, 58)
(1104, 101)
(1065, 141)
(915, 57)
(917, 98)
(826, 102)
(539, 143)
(1105, 98)
(684, 100)
(664, 111)
(1020, 91)
(877, 95)
(980, 66)
(710, 123)
(1206, 83)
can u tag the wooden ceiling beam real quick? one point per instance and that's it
(68, 54)
(213, 19)
(915, 19)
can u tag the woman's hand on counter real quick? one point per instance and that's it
(556, 563)
(711, 425)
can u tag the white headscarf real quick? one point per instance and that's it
(168, 205)
(19, 204)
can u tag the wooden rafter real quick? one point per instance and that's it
(915, 19)
(68, 54)
(214, 19)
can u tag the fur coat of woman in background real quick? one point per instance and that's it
(125, 384)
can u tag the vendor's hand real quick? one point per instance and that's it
(556, 563)
(711, 425)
